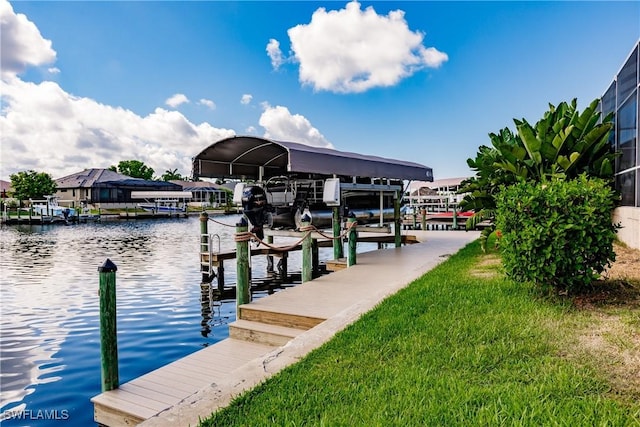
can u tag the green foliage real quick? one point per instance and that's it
(562, 145)
(172, 175)
(557, 233)
(32, 185)
(134, 169)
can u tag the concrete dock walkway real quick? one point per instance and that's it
(286, 326)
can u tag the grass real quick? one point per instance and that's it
(453, 348)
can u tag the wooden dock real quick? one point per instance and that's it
(269, 334)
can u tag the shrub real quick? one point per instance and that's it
(557, 233)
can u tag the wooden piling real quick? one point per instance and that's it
(204, 232)
(353, 239)
(221, 276)
(307, 255)
(338, 249)
(108, 326)
(243, 285)
(270, 269)
(315, 256)
(396, 219)
(423, 221)
(454, 226)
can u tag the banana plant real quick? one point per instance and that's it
(563, 144)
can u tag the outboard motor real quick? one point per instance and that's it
(256, 208)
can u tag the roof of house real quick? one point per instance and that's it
(261, 158)
(89, 178)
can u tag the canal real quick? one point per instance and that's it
(49, 318)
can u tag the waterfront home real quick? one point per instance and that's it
(103, 188)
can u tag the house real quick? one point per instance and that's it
(103, 188)
(440, 188)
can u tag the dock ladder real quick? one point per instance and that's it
(207, 256)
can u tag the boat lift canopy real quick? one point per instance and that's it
(250, 157)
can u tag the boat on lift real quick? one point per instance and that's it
(280, 181)
(52, 210)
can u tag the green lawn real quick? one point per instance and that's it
(460, 346)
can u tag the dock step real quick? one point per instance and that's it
(336, 264)
(256, 313)
(152, 393)
(262, 333)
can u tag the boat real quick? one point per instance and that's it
(166, 202)
(51, 210)
(278, 182)
(169, 206)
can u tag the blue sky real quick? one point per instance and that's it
(87, 84)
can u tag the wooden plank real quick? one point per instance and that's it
(223, 361)
(167, 388)
(172, 380)
(129, 403)
(262, 333)
(108, 416)
(164, 375)
(149, 393)
(248, 312)
(185, 377)
(210, 369)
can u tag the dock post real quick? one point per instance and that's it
(353, 241)
(454, 226)
(423, 221)
(108, 327)
(315, 256)
(396, 219)
(243, 286)
(307, 255)
(221, 276)
(269, 240)
(204, 245)
(338, 249)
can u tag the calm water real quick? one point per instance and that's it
(49, 332)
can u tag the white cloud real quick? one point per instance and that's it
(246, 99)
(274, 52)
(176, 100)
(207, 103)
(21, 44)
(281, 125)
(353, 50)
(53, 70)
(46, 129)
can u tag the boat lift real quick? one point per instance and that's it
(312, 181)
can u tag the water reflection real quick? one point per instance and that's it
(50, 315)
(49, 323)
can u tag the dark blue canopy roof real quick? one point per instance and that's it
(250, 157)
